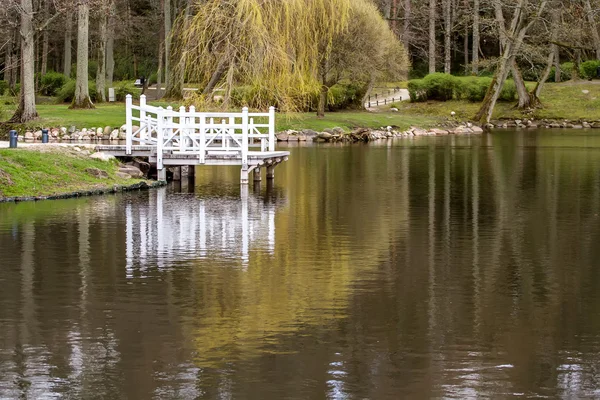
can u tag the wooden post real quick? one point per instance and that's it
(143, 117)
(244, 171)
(271, 128)
(128, 123)
(159, 141)
(257, 177)
(177, 173)
(271, 171)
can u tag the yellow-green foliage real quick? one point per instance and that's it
(277, 47)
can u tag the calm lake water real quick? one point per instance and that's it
(444, 267)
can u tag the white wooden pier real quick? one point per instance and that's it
(185, 137)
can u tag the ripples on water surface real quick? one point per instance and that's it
(447, 267)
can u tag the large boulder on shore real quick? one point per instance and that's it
(132, 171)
(102, 156)
(309, 133)
(282, 136)
(97, 173)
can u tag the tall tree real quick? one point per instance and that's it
(593, 27)
(447, 4)
(432, 14)
(110, 44)
(26, 111)
(103, 37)
(82, 92)
(524, 16)
(168, 23)
(475, 51)
(67, 45)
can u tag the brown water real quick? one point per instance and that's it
(445, 267)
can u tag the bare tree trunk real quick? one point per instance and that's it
(217, 75)
(432, 5)
(406, 24)
(519, 26)
(593, 27)
(44, 63)
(475, 50)
(522, 93)
(15, 63)
(535, 93)
(82, 92)
(161, 55)
(26, 110)
(101, 74)
(466, 49)
(322, 101)
(370, 87)
(68, 39)
(447, 36)
(394, 16)
(110, 46)
(8, 63)
(168, 36)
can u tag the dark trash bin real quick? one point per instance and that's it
(44, 135)
(13, 137)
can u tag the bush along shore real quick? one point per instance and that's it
(367, 135)
(57, 172)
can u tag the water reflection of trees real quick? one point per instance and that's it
(420, 270)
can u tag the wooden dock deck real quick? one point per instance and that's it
(189, 138)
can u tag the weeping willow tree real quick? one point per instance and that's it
(275, 49)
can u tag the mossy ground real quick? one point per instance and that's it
(52, 170)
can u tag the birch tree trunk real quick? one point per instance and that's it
(8, 63)
(68, 40)
(82, 92)
(101, 73)
(447, 36)
(475, 55)
(593, 27)
(26, 110)
(432, 5)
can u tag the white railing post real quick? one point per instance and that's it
(169, 123)
(245, 138)
(183, 129)
(143, 135)
(192, 131)
(202, 139)
(128, 123)
(271, 128)
(159, 138)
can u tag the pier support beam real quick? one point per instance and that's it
(244, 175)
(257, 177)
(176, 173)
(161, 174)
(271, 172)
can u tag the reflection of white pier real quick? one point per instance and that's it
(176, 228)
(186, 137)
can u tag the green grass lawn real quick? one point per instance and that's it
(52, 170)
(560, 101)
(113, 114)
(567, 100)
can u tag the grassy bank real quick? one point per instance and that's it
(113, 114)
(52, 170)
(567, 100)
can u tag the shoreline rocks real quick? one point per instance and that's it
(531, 123)
(338, 135)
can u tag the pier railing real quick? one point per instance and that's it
(186, 131)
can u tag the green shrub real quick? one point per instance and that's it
(474, 89)
(3, 87)
(440, 86)
(344, 96)
(67, 92)
(52, 82)
(417, 90)
(588, 69)
(123, 88)
(509, 91)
